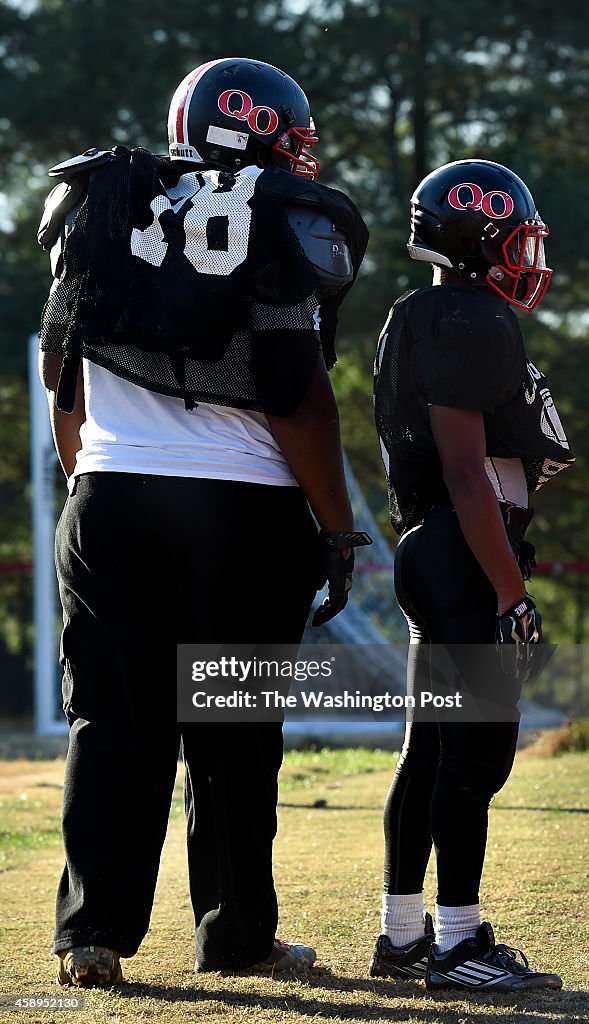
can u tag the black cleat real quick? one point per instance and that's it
(409, 961)
(480, 963)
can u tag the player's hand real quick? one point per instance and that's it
(526, 559)
(337, 566)
(520, 624)
(518, 636)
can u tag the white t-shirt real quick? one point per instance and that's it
(508, 479)
(131, 430)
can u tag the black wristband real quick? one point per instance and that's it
(522, 607)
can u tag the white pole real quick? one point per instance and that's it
(43, 462)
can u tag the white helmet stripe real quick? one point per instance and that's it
(180, 105)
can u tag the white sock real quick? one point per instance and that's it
(453, 924)
(402, 917)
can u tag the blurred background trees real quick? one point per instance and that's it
(396, 87)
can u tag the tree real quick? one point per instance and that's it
(397, 87)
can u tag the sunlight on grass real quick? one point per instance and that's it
(328, 865)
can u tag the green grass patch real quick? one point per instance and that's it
(28, 823)
(306, 768)
(328, 870)
(12, 843)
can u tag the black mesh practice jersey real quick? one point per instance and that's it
(462, 348)
(194, 285)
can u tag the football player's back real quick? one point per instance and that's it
(185, 347)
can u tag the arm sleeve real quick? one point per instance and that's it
(464, 363)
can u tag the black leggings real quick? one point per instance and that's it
(144, 563)
(448, 771)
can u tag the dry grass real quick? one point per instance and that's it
(574, 736)
(328, 870)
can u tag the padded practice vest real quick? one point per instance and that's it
(194, 285)
(460, 348)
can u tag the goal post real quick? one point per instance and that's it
(49, 719)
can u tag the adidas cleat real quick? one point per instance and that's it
(480, 963)
(87, 966)
(409, 961)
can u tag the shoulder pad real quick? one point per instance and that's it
(79, 164)
(59, 203)
(323, 243)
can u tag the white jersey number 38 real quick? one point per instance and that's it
(196, 202)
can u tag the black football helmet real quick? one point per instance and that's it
(233, 112)
(479, 218)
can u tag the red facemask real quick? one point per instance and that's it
(523, 277)
(296, 144)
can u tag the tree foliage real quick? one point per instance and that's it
(396, 86)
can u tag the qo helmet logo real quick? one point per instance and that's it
(497, 205)
(235, 103)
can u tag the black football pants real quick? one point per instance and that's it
(144, 563)
(448, 771)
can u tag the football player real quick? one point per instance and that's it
(185, 346)
(468, 432)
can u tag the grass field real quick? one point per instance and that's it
(328, 871)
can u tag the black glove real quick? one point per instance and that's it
(518, 636)
(520, 624)
(526, 559)
(516, 521)
(337, 570)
